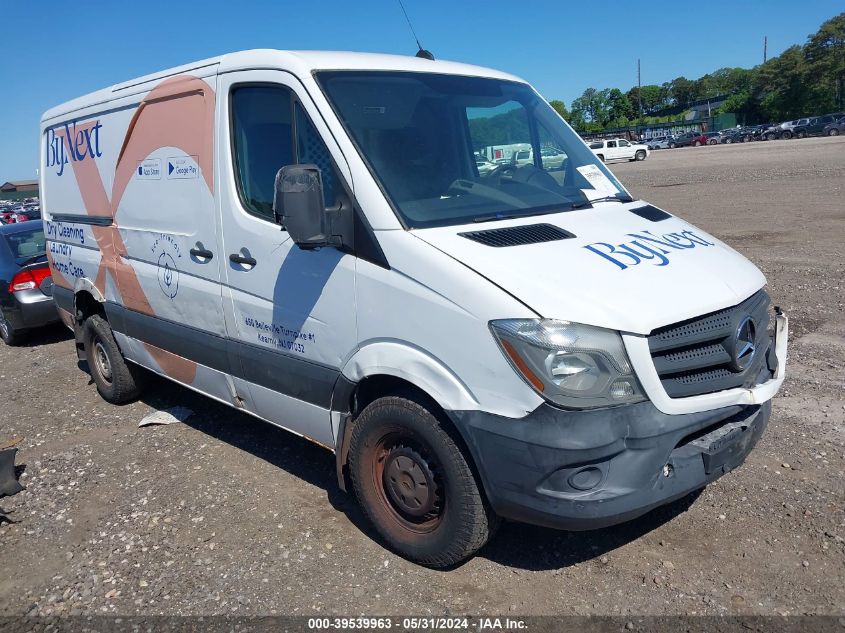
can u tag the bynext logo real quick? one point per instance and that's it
(72, 144)
(645, 245)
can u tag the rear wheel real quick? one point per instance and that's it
(10, 335)
(833, 132)
(672, 146)
(787, 135)
(697, 144)
(640, 155)
(600, 157)
(415, 484)
(117, 381)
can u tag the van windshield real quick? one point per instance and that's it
(450, 149)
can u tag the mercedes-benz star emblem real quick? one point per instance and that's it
(744, 347)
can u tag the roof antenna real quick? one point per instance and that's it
(424, 54)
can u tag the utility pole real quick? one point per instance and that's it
(639, 92)
(765, 47)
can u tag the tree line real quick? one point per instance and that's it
(803, 80)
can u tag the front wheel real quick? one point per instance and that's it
(600, 157)
(640, 155)
(117, 381)
(697, 144)
(833, 132)
(787, 135)
(672, 146)
(415, 484)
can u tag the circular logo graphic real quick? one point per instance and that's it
(168, 275)
(743, 345)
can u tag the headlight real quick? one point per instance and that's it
(573, 365)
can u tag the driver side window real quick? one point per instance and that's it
(270, 130)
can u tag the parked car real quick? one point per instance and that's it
(834, 129)
(551, 158)
(15, 215)
(26, 300)
(816, 125)
(736, 135)
(688, 139)
(618, 149)
(713, 138)
(659, 142)
(467, 347)
(483, 165)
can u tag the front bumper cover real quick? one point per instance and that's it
(580, 470)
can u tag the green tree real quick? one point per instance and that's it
(825, 72)
(682, 91)
(619, 105)
(560, 107)
(782, 85)
(591, 109)
(802, 81)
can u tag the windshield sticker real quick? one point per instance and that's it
(602, 186)
(645, 245)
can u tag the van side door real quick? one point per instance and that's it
(167, 305)
(291, 312)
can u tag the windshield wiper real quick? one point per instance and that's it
(589, 203)
(494, 218)
(512, 216)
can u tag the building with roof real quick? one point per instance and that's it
(19, 189)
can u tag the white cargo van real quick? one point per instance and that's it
(306, 237)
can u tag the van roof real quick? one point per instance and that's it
(298, 62)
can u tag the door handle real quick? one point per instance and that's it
(204, 253)
(236, 258)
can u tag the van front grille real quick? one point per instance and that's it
(518, 235)
(699, 355)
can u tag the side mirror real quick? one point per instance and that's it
(299, 206)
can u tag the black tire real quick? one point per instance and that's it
(833, 132)
(640, 155)
(728, 141)
(697, 144)
(600, 157)
(415, 484)
(117, 381)
(787, 135)
(672, 146)
(712, 141)
(10, 335)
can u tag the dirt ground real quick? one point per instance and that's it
(227, 515)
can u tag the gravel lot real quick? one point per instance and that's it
(227, 515)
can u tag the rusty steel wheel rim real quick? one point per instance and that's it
(407, 481)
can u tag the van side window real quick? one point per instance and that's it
(264, 123)
(262, 137)
(310, 149)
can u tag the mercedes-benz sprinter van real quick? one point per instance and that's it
(307, 237)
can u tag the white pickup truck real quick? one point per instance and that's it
(618, 149)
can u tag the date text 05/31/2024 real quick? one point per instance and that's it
(417, 624)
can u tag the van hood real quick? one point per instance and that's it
(619, 270)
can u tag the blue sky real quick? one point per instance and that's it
(53, 50)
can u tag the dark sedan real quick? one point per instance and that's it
(816, 125)
(834, 129)
(689, 139)
(26, 287)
